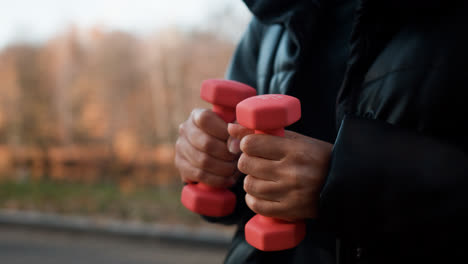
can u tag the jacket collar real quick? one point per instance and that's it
(391, 11)
(299, 17)
(280, 11)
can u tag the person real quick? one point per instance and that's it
(377, 165)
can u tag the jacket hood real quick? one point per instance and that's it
(299, 17)
(280, 11)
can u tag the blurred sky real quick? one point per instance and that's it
(37, 20)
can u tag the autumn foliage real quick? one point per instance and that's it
(96, 105)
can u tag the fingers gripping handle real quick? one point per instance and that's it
(200, 198)
(269, 114)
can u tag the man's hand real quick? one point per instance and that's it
(201, 150)
(285, 175)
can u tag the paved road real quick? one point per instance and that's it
(23, 246)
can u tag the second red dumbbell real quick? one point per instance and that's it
(269, 114)
(201, 198)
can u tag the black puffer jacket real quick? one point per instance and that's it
(397, 188)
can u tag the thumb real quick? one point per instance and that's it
(236, 132)
(293, 135)
(302, 138)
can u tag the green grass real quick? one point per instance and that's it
(150, 204)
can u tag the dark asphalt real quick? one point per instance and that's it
(32, 246)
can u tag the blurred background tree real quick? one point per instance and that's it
(97, 107)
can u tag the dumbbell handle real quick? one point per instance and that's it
(269, 114)
(227, 114)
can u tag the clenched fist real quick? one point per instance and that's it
(202, 154)
(284, 175)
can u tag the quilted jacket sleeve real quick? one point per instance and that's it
(393, 186)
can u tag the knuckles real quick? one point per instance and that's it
(243, 164)
(248, 184)
(247, 143)
(177, 161)
(254, 204)
(202, 117)
(203, 161)
(253, 187)
(181, 128)
(261, 207)
(198, 175)
(207, 144)
(178, 145)
(294, 177)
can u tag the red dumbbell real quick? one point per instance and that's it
(269, 114)
(201, 198)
